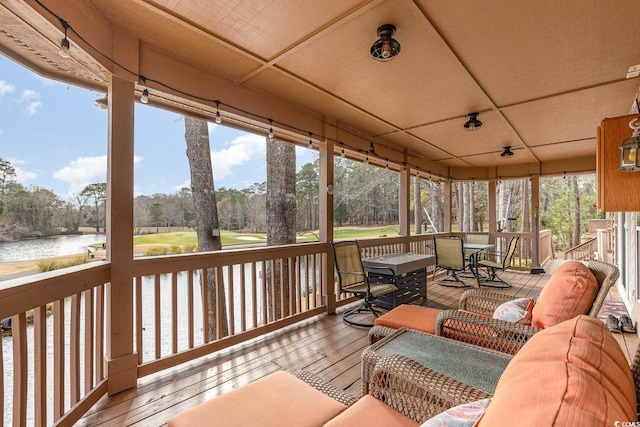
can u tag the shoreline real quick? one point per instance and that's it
(12, 269)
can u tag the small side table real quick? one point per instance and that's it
(478, 367)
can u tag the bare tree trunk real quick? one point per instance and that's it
(417, 204)
(576, 211)
(437, 206)
(207, 226)
(281, 221)
(468, 206)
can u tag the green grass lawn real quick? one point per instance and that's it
(188, 239)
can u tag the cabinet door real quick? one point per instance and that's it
(617, 191)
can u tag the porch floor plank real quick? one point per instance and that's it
(324, 345)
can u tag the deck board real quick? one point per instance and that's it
(324, 345)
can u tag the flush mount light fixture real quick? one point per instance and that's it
(473, 123)
(386, 47)
(507, 153)
(630, 148)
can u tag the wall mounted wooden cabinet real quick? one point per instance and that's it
(617, 191)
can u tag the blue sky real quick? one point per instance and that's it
(56, 138)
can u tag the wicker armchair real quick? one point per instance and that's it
(417, 391)
(493, 333)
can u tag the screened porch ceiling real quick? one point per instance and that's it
(541, 74)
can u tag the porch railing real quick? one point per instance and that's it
(53, 368)
(583, 252)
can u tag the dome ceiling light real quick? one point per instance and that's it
(507, 153)
(386, 47)
(473, 123)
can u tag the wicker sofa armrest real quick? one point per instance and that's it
(606, 275)
(325, 387)
(494, 334)
(416, 391)
(482, 301)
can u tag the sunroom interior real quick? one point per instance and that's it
(540, 76)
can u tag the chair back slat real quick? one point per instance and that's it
(449, 252)
(506, 261)
(480, 238)
(348, 263)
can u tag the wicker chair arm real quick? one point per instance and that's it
(494, 334)
(606, 274)
(416, 391)
(325, 387)
(482, 301)
(378, 332)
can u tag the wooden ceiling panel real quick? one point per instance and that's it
(299, 93)
(453, 138)
(567, 150)
(415, 146)
(488, 159)
(521, 51)
(163, 31)
(422, 84)
(264, 28)
(572, 116)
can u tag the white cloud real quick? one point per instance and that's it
(84, 171)
(186, 183)
(238, 152)
(22, 175)
(32, 108)
(6, 88)
(32, 100)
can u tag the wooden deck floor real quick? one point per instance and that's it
(324, 345)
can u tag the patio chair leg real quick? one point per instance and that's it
(494, 281)
(365, 307)
(454, 281)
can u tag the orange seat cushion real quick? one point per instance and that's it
(409, 316)
(277, 400)
(569, 292)
(571, 374)
(369, 411)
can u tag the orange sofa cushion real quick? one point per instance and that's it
(409, 316)
(569, 292)
(277, 400)
(369, 411)
(572, 374)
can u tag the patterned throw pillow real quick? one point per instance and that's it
(515, 311)
(459, 416)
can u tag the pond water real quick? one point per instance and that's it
(46, 247)
(55, 246)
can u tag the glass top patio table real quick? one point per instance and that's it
(478, 367)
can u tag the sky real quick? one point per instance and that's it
(56, 138)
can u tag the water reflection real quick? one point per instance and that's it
(32, 249)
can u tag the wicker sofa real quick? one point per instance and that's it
(573, 373)
(473, 323)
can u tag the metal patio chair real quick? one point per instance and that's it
(353, 279)
(450, 257)
(491, 268)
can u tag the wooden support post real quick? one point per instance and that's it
(120, 358)
(326, 218)
(404, 211)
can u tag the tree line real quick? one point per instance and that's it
(363, 195)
